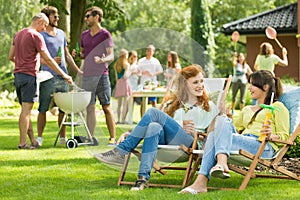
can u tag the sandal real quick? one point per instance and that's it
(26, 146)
(218, 172)
(36, 145)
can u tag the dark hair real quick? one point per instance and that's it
(261, 78)
(95, 11)
(49, 10)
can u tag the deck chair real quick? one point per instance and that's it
(248, 161)
(179, 153)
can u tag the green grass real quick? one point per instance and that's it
(60, 173)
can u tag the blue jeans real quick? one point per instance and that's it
(224, 139)
(156, 127)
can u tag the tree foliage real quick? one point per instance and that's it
(15, 16)
(121, 16)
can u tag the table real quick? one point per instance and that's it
(145, 94)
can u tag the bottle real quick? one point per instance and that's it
(269, 114)
(266, 122)
(77, 49)
(59, 54)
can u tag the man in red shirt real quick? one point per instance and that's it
(28, 45)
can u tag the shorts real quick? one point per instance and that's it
(26, 88)
(47, 88)
(99, 86)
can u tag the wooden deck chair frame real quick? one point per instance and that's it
(269, 163)
(252, 161)
(193, 160)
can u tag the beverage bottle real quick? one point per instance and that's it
(77, 49)
(59, 53)
(271, 109)
(266, 122)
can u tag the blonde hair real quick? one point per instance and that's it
(121, 61)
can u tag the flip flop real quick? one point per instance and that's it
(218, 172)
(188, 190)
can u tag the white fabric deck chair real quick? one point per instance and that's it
(167, 155)
(245, 163)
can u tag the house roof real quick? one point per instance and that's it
(283, 19)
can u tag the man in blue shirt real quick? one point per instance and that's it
(55, 39)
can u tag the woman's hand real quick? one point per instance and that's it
(266, 129)
(122, 137)
(188, 126)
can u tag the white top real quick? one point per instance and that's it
(239, 73)
(152, 65)
(201, 118)
(133, 78)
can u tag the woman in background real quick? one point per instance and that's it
(266, 59)
(123, 88)
(173, 66)
(239, 81)
(133, 79)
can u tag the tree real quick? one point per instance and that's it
(11, 21)
(202, 32)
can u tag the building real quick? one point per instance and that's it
(285, 20)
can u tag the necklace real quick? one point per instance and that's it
(187, 108)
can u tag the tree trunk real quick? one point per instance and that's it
(202, 32)
(77, 26)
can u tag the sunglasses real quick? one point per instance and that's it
(88, 15)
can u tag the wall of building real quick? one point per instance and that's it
(288, 41)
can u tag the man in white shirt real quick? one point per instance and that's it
(149, 67)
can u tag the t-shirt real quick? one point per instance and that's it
(267, 62)
(239, 73)
(201, 118)
(28, 43)
(95, 46)
(152, 65)
(52, 44)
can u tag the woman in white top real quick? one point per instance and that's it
(173, 66)
(158, 127)
(133, 79)
(239, 81)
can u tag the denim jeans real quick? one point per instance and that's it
(224, 139)
(155, 127)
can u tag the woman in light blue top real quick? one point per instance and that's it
(190, 100)
(239, 80)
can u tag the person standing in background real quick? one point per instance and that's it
(149, 67)
(133, 79)
(97, 51)
(266, 59)
(27, 48)
(123, 88)
(56, 43)
(173, 66)
(239, 81)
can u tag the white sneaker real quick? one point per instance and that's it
(40, 141)
(63, 140)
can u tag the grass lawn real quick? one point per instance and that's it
(60, 173)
